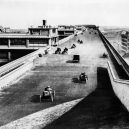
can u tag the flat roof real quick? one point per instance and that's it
(43, 28)
(66, 29)
(24, 36)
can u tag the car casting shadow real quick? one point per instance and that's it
(99, 109)
(36, 99)
(76, 80)
(71, 61)
(103, 57)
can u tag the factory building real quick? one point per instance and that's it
(65, 31)
(36, 38)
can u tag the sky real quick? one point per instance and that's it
(22, 14)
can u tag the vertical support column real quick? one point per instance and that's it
(9, 42)
(50, 32)
(29, 32)
(56, 39)
(40, 32)
(27, 42)
(49, 42)
(56, 31)
(9, 56)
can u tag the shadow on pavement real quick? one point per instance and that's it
(101, 109)
(71, 61)
(76, 80)
(37, 99)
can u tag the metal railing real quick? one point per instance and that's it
(117, 56)
(117, 80)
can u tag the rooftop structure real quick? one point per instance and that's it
(79, 27)
(65, 31)
(36, 38)
(1, 29)
(125, 41)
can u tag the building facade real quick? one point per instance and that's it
(65, 31)
(15, 43)
(125, 41)
(36, 38)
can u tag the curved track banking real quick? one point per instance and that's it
(21, 98)
(99, 110)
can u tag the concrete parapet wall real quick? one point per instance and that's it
(67, 38)
(14, 69)
(120, 87)
(64, 40)
(11, 76)
(120, 60)
(19, 61)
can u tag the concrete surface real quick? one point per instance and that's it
(41, 118)
(99, 110)
(21, 98)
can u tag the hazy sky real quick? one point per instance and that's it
(24, 13)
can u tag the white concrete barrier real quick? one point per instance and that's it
(120, 87)
(67, 38)
(19, 61)
(14, 69)
(13, 75)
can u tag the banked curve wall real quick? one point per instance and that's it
(120, 86)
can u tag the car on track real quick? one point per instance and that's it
(76, 58)
(47, 95)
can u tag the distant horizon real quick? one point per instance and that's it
(25, 13)
(122, 27)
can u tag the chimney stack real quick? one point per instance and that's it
(44, 23)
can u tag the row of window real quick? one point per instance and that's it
(23, 41)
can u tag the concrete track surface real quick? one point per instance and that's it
(22, 97)
(99, 110)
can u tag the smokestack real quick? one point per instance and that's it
(44, 22)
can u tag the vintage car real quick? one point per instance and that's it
(58, 51)
(65, 51)
(76, 58)
(83, 77)
(47, 95)
(105, 55)
(73, 46)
